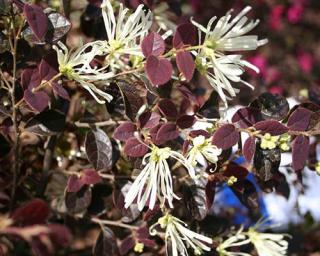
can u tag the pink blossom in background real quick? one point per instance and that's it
(295, 13)
(260, 62)
(305, 61)
(272, 75)
(276, 89)
(275, 17)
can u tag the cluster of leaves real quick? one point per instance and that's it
(80, 157)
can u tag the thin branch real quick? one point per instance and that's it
(114, 223)
(97, 124)
(16, 147)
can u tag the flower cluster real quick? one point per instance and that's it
(271, 142)
(202, 148)
(155, 179)
(227, 36)
(266, 244)
(180, 237)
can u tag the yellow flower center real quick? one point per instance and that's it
(158, 154)
(139, 247)
(269, 142)
(114, 46)
(67, 71)
(232, 180)
(165, 220)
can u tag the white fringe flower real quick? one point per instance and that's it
(268, 244)
(235, 240)
(155, 180)
(124, 32)
(203, 148)
(227, 36)
(180, 237)
(75, 65)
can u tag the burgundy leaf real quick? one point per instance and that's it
(153, 132)
(99, 149)
(30, 78)
(36, 19)
(186, 34)
(159, 70)
(33, 212)
(271, 126)
(38, 101)
(226, 136)
(124, 131)
(149, 120)
(48, 67)
(153, 44)
(126, 245)
(249, 148)
(196, 133)
(186, 121)
(235, 170)
(135, 148)
(299, 120)
(90, 177)
(60, 235)
(246, 117)
(185, 64)
(167, 132)
(168, 108)
(77, 202)
(60, 91)
(300, 152)
(106, 244)
(74, 184)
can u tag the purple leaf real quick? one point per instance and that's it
(126, 245)
(60, 91)
(300, 152)
(186, 121)
(299, 120)
(271, 126)
(124, 131)
(226, 136)
(246, 117)
(48, 67)
(167, 132)
(149, 120)
(135, 148)
(33, 212)
(186, 34)
(235, 170)
(99, 149)
(249, 149)
(90, 177)
(185, 64)
(30, 78)
(38, 101)
(153, 44)
(36, 19)
(168, 108)
(74, 184)
(159, 70)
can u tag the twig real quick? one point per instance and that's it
(16, 146)
(114, 223)
(97, 124)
